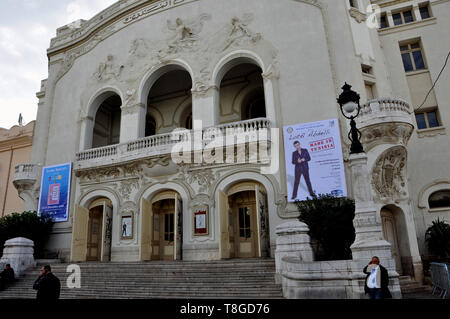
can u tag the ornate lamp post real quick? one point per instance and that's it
(349, 103)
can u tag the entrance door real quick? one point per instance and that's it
(94, 243)
(245, 226)
(390, 235)
(163, 243)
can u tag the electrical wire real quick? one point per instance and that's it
(437, 79)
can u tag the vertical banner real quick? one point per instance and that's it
(314, 160)
(55, 191)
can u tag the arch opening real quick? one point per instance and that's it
(162, 227)
(170, 91)
(242, 94)
(243, 210)
(106, 129)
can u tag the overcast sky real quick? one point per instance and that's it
(26, 27)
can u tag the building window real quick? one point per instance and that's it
(370, 91)
(412, 57)
(366, 69)
(424, 12)
(403, 17)
(439, 199)
(427, 119)
(383, 21)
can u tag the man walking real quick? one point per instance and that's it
(300, 159)
(377, 280)
(47, 285)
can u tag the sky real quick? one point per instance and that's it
(26, 27)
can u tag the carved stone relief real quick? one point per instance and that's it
(386, 133)
(204, 178)
(389, 175)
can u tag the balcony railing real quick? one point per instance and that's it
(163, 143)
(384, 110)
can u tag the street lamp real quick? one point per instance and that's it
(349, 103)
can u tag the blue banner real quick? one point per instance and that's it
(55, 191)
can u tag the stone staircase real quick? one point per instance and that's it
(248, 278)
(410, 286)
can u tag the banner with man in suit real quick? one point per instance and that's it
(314, 161)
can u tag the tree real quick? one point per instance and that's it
(330, 222)
(437, 238)
(28, 225)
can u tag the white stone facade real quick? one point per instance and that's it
(297, 54)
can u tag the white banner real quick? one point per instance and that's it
(314, 161)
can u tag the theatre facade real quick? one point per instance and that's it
(122, 82)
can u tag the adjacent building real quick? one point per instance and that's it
(15, 148)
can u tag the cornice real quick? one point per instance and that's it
(100, 23)
(129, 11)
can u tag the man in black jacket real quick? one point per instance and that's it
(6, 276)
(300, 159)
(377, 280)
(47, 285)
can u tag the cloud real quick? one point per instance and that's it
(26, 28)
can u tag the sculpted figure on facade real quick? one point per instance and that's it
(184, 34)
(239, 30)
(107, 70)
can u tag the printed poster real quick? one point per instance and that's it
(55, 190)
(314, 160)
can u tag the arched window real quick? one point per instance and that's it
(107, 122)
(439, 199)
(169, 91)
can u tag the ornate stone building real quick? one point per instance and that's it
(120, 83)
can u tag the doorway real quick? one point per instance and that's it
(390, 234)
(92, 232)
(94, 243)
(162, 227)
(244, 232)
(163, 230)
(244, 222)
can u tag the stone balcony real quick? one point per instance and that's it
(163, 144)
(26, 175)
(25, 178)
(385, 120)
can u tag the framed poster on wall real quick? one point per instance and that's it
(126, 229)
(201, 223)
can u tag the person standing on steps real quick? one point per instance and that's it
(6, 276)
(47, 285)
(377, 280)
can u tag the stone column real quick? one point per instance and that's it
(205, 106)
(132, 123)
(369, 239)
(19, 253)
(292, 241)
